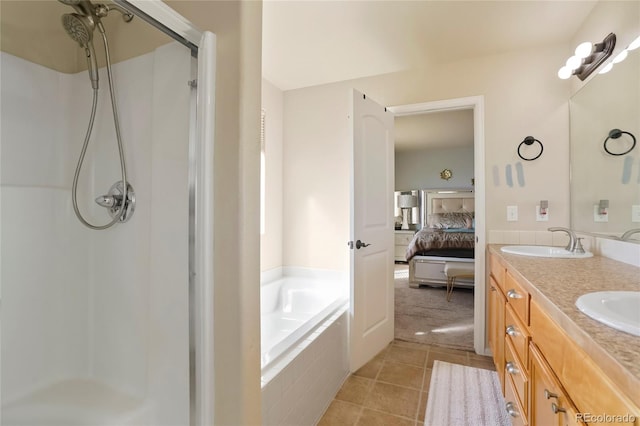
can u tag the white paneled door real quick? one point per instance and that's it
(372, 224)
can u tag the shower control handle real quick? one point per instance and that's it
(107, 201)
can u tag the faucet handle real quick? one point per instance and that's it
(579, 248)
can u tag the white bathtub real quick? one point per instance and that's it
(304, 345)
(292, 306)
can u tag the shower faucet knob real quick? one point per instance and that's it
(106, 201)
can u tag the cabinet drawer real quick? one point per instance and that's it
(403, 238)
(517, 335)
(517, 298)
(497, 270)
(512, 405)
(513, 368)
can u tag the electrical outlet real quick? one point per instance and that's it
(512, 213)
(542, 217)
(635, 213)
(597, 217)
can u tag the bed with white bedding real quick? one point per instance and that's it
(448, 236)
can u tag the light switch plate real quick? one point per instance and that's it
(635, 213)
(542, 217)
(512, 213)
(597, 217)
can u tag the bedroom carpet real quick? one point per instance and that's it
(423, 315)
(461, 395)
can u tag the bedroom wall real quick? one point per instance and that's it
(420, 168)
(271, 239)
(522, 95)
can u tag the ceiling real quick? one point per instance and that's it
(307, 42)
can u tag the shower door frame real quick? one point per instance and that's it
(201, 134)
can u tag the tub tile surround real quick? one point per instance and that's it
(557, 284)
(297, 389)
(393, 387)
(617, 250)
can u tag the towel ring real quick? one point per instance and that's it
(529, 140)
(615, 134)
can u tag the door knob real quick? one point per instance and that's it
(360, 244)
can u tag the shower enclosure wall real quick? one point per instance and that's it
(95, 324)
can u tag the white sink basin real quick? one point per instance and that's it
(544, 251)
(617, 309)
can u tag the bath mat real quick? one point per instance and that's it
(461, 395)
(423, 315)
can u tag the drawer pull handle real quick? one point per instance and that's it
(556, 409)
(512, 331)
(512, 369)
(512, 294)
(512, 410)
(550, 395)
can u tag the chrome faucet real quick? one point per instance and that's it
(629, 233)
(573, 241)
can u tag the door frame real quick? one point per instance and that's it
(475, 103)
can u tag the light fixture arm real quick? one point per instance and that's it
(599, 54)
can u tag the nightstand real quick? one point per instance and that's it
(402, 239)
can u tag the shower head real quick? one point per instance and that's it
(83, 7)
(80, 28)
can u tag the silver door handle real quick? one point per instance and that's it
(360, 244)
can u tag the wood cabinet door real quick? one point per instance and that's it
(549, 404)
(496, 327)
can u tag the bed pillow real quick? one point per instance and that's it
(450, 220)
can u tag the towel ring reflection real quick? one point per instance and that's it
(615, 134)
(529, 140)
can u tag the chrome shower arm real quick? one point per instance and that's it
(102, 10)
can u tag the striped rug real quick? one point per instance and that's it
(461, 395)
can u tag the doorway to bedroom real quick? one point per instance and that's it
(436, 152)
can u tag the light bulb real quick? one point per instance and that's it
(606, 69)
(564, 73)
(584, 49)
(634, 44)
(620, 57)
(574, 62)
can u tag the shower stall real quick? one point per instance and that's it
(100, 322)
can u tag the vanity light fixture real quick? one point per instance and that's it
(621, 56)
(587, 58)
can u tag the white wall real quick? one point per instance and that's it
(420, 169)
(238, 29)
(111, 306)
(45, 328)
(271, 240)
(523, 96)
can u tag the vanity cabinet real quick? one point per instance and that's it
(547, 378)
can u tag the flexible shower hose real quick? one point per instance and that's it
(123, 166)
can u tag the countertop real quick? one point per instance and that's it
(556, 284)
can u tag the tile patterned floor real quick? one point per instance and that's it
(392, 388)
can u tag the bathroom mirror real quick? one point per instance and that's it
(608, 101)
